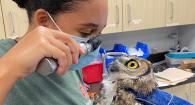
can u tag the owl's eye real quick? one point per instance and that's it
(132, 64)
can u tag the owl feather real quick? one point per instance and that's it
(124, 75)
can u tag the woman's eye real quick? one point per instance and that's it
(88, 32)
(83, 34)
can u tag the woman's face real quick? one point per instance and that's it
(88, 20)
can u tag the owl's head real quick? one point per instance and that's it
(131, 66)
(136, 73)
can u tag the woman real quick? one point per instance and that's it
(19, 84)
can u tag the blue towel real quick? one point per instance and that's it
(159, 97)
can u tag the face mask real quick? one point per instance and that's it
(79, 39)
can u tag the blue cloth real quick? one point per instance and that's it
(159, 97)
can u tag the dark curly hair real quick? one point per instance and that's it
(52, 6)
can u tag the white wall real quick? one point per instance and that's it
(156, 38)
(188, 36)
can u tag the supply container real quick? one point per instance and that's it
(93, 73)
(174, 59)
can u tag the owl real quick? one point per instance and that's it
(126, 72)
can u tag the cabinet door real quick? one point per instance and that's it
(143, 14)
(2, 31)
(190, 13)
(159, 16)
(192, 93)
(134, 14)
(15, 19)
(176, 12)
(169, 90)
(182, 91)
(114, 23)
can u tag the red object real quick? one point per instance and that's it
(93, 73)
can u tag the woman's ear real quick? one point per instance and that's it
(41, 18)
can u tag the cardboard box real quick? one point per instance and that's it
(188, 64)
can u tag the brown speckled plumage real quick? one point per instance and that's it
(114, 88)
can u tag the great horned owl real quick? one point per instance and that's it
(126, 72)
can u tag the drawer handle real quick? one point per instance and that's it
(117, 14)
(172, 10)
(129, 13)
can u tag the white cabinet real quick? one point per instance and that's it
(143, 14)
(176, 12)
(134, 14)
(15, 19)
(192, 99)
(159, 13)
(123, 15)
(190, 12)
(127, 15)
(2, 31)
(169, 90)
(115, 15)
(182, 91)
(186, 92)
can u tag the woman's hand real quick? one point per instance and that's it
(42, 42)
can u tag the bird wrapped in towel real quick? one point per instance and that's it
(131, 82)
